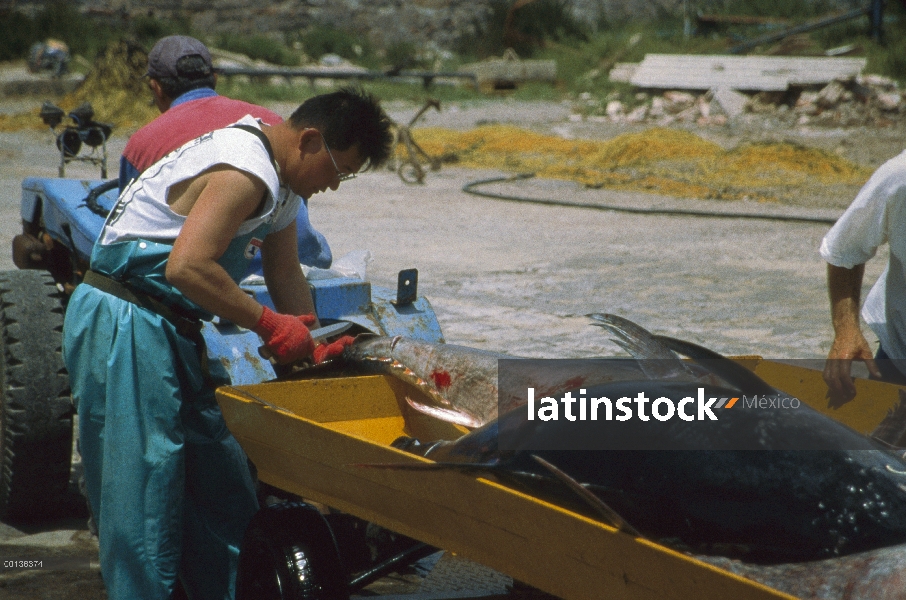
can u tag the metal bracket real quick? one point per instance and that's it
(406, 287)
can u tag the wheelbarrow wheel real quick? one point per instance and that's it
(289, 553)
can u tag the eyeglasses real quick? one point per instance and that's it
(340, 175)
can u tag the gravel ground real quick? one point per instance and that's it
(519, 277)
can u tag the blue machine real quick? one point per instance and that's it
(71, 221)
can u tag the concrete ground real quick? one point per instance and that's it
(511, 277)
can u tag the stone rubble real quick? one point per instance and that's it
(867, 100)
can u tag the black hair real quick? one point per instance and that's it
(348, 117)
(193, 72)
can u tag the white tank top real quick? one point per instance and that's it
(142, 210)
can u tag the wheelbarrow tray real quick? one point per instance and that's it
(863, 413)
(312, 438)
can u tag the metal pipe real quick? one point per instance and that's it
(823, 22)
(427, 77)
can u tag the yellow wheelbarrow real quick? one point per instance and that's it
(310, 437)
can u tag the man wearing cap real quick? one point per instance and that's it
(169, 486)
(182, 79)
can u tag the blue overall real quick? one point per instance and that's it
(167, 483)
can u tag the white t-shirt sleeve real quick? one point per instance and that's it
(856, 236)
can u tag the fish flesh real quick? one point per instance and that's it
(873, 575)
(463, 385)
(460, 382)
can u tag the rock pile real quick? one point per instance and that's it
(867, 100)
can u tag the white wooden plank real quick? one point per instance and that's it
(769, 73)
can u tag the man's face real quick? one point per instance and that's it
(321, 170)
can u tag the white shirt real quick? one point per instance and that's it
(142, 210)
(877, 215)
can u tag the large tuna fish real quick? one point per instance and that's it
(825, 524)
(462, 383)
(843, 496)
(811, 508)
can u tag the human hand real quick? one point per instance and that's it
(838, 368)
(286, 337)
(332, 350)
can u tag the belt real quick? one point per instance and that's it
(185, 326)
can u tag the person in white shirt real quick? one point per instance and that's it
(876, 216)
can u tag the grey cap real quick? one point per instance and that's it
(167, 51)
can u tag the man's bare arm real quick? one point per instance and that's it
(283, 275)
(220, 201)
(844, 289)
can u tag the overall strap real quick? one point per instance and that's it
(185, 326)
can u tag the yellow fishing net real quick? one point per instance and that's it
(115, 88)
(658, 160)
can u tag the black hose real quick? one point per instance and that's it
(91, 200)
(469, 189)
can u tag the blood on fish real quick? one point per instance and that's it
(441, 379)
(573, 383)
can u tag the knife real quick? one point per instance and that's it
(325, 332)
(317, 335)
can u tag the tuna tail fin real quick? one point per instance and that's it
(608, 513)
(729, 370)
(656, 360)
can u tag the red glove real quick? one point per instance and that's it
(285, 336)
(332, 350)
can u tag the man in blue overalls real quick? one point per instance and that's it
(168, 484)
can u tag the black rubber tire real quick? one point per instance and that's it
(35, 406)
(289, 553)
